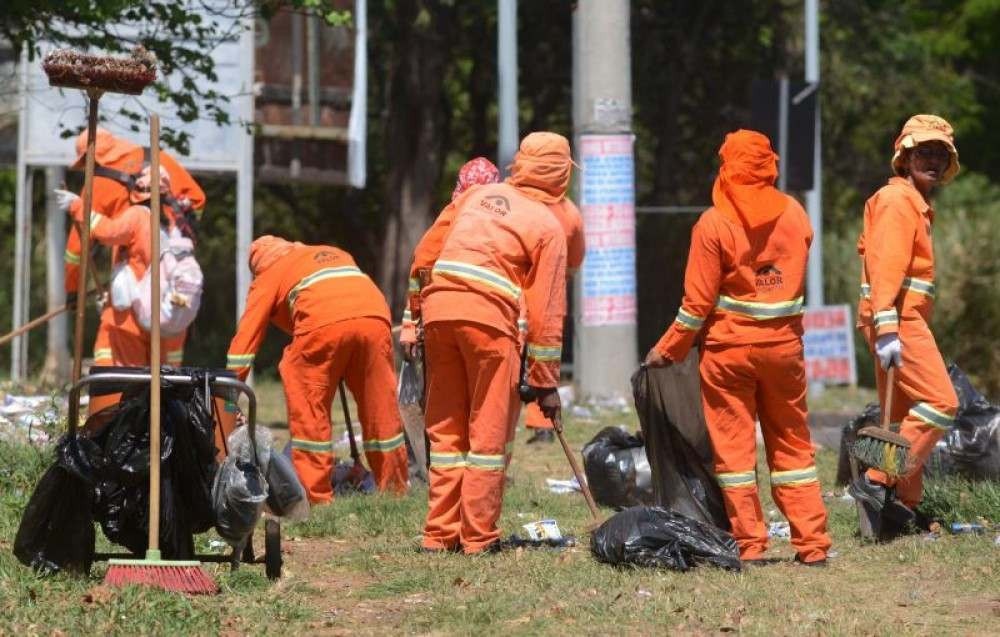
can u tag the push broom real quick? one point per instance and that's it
(179, 576)
(880, 447)
(94, 75)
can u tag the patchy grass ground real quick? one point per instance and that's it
(352, 569)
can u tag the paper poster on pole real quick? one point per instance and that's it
(607, 203)
(829, 345)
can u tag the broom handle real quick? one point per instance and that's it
(32, 324)
(154, 337)
(890, 384)
(584, 487)
(350, 427)
(88, 199)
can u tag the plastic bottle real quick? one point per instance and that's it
(966, 527)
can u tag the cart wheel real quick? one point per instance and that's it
(272, 549)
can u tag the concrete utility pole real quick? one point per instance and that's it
(57, 363)
(508, 136)
(814, 197)
(605, 351)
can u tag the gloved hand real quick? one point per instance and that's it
(65, 199)
(549, 402)
(889, 350)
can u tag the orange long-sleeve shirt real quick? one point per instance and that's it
(571, 220)
(486, 249)
(742, 285)
(897, 257)
(308, 288)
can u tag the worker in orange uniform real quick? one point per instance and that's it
(339, 323)
(743, 291)
(897, 297)
(121, 179)
(489, 248)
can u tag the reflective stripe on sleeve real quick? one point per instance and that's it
(920, 286)
(866, 291)
(103, 354)
(384, 445)
(794, 477)
(689, 321)
(932, 416)
(239, 361)
(175, 356)
(479, 274)
(736, 479)
(761, 311)
(322, 275)
(71, 258)
(313, 446)
(414, 286)
(886, 317)
(544, 353)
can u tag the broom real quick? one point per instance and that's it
(95, 75)
(880, 447)
(179, 576)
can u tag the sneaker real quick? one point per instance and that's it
(546, 436)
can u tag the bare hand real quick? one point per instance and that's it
(656, 359)
(549, 402)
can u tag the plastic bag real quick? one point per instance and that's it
(617, 469)
(286, 496)
(668, 402)
(659, 538)
(240, 488)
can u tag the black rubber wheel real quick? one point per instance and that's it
(272, 549)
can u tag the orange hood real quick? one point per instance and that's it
(744, 190)
(265, 251)
(107, 148)
(542, 167)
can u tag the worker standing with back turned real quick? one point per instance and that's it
(743, 291)
(496, 243)
(339, 323)
(897, 298)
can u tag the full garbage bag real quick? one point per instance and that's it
(668, 401)
(286, 496)
(617, 469)
(240, 488)
(656, 537)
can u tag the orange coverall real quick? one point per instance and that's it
(572, 224)
(488, 247)
(897, 296)
(743, 290)
(118, 338)
(339, 323)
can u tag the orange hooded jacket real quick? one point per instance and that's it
(746, 267)
(300, 288)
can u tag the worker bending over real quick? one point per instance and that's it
(490, 247)
(743, 291)
(897, 298)
(339, 324)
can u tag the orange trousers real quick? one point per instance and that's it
(472, 403)
(923, 404)
(740, 384)
(359, 351)
(121, 342)
(534, 418)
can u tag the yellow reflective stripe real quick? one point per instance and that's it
(932, 416)
(71, 257)
(920, 286)
(794, 477)
(544, 352)
(95, 218)
(689, 321)
(478, 274)
(448, 459)
(312, 446)
(488, 462)
(736, 479)
(414, 284)
(322, 275)
(866, 291)
(886, 317)
(384, 445)
(103, 354)
(761, 311)
(175, 356)
(239, 361)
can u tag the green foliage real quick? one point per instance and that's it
(957, 500)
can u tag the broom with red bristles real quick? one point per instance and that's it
(179, 576)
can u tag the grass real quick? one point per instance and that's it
(352, 568)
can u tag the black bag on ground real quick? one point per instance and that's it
(240, 488)
(617, 469)
(668, 401)
(659, 538)
(286, 497)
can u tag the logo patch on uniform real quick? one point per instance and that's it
(324, 256)
(496, 204)
(769, 278)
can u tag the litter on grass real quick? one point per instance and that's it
(563, 486)
(543, 530)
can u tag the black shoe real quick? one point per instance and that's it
(542, 435)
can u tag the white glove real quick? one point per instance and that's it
(65, 199)
(889, 350)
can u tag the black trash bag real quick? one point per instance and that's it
(660, 538)
(617, 469)
(668, 401)
(286, 497)
(240, 488)
(971, 448)
(57, 528)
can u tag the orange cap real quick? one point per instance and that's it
(744, 189)
(543, 166)
(265, 251)
(926, 128)
(107, 148)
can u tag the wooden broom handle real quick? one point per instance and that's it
(580, 478)
(890, 384)
(154, 335)
(88, 200)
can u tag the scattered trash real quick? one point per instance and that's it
(581, 412)
(26, 418)
(961, 528)
(517, 542)
(617, 470)
(563, 486)
(543, 530)
(217, 546)
(659, 538)
(779, 531)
